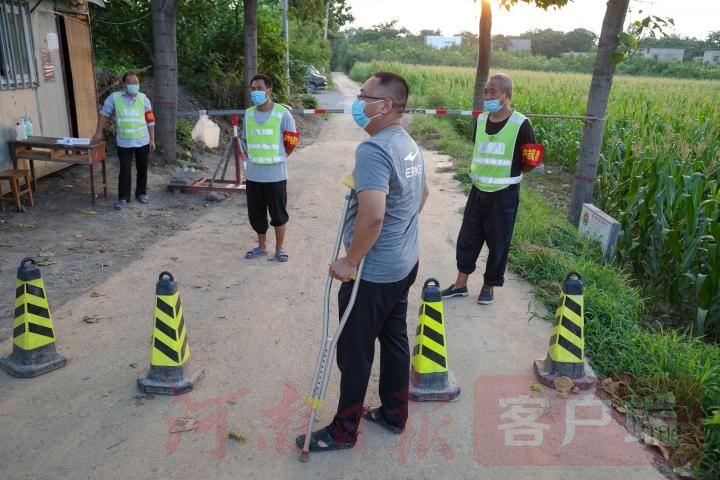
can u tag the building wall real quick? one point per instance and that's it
(665, 54)
(437, 41)
(712, 57)
(518, 45)
(45, 104)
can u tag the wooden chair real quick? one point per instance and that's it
(13, 177)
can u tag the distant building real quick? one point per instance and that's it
(519, 45)
(664, 54)
(712, 57)
(440, 41)
(575, 54)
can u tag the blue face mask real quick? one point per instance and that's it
(258, 97)
(133, 88)
(358, 113)
(492, 105)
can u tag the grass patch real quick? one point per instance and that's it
(648, 362)
(183, 134)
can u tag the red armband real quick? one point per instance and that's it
(290, 140)
(531, 155)
(149, 116)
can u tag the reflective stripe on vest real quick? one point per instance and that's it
(496, 181)
(130, 118)
(491, 165)
(263, 139)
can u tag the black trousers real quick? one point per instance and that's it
(141, 165)
(264, 198)
(489, 218)
(380, 312)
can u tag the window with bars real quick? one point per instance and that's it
(17, 59)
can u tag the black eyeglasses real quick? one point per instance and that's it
(363, 97)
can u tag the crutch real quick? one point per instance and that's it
(323, 365)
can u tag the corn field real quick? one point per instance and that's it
(658, 173)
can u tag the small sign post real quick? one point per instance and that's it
(601, 227)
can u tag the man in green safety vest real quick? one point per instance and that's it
(501, 139)
(135, 125)
(270, 136)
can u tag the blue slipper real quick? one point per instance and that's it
(281, 255)
(256, 252)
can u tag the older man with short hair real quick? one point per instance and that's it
(496, 171)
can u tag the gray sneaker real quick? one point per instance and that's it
(486, 296)
(451, 291)
(120, 204)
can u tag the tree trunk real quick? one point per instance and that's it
(602, 77)
(164, 13)
(484, 51)
(250, 10)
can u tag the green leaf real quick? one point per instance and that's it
(617, 58)
(700, 321)
(714, 420)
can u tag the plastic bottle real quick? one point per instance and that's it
(20, 131)
(206, 131)
(28, 125)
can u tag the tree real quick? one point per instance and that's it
(484, 44)
(600, 85)
(468, 38)
(164, 13)
(482, 69)
(548, 42)
(713, 39)
(615, 46)
(250, 11)
(580, 40)
(501, 42)
(340, 15)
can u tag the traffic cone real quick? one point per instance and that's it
(430, 379)
(33, 334)
(170, 350)
(566, 355)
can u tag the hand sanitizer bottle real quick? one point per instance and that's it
(20, 132)
(28, 125)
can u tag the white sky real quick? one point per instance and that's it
(695, 18)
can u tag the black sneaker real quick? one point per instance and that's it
(486, 296)
(451, 291)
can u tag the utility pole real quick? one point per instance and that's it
(286, 36)
(327, 18)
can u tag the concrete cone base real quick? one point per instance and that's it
(169, 380)
(31, 363)
(433, 387)
(547, 374)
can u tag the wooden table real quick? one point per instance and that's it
(46, 149)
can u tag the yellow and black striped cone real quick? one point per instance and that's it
(170, 351)
(566, 354)
(33, 333)
(430, 378)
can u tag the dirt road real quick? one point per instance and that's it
(254, 326)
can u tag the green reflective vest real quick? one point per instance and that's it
(130, 118)
(493, 154)
(263, 139)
